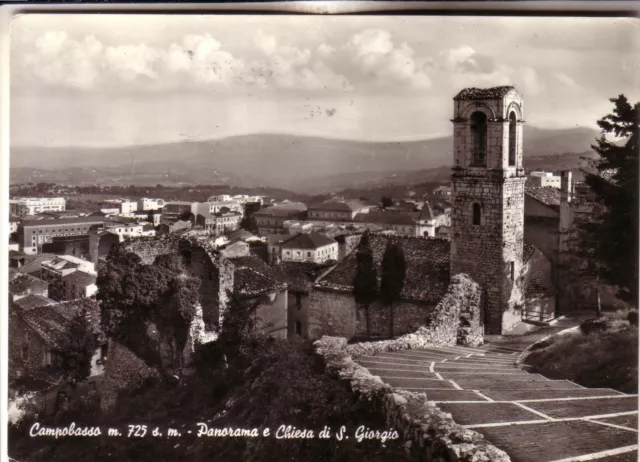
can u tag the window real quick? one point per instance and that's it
(298, 328)
(512, 271)
(512, 140)
(479, 132)
(477, 213)
(298, 301)
(308, 254)
(47, 360)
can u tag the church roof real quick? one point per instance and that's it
(546, 195)
(427, 260)
(484, 93)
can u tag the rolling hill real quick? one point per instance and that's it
(304, 164)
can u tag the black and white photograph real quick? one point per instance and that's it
(321, 237)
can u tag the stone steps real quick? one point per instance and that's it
(531, 417)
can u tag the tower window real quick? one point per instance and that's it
(477, 213)
(512, 271)
(512, 140)
(298, 328)
(479, 132)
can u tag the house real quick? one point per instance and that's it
(22, 285)
(14, 221)
(147, 203)
(255, 281)
(13, 245)
(32, 301)
(235, 248)
(207, 208)
(175, 209)
(125, 230)
(543, 180)
(56, 269)
(28, 264)
(338, 211)
(22, 206)
(444, 190)
(299, 277)
(119, 207)
(270, 219)
(168, 226)
(79, 284)
(402, 223)
(219, 223)
(33, 337)
(312, 247)
(332, 307)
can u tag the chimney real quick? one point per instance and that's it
(566, 187)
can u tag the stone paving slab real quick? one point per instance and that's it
(630, 421)
(472, 367)
(626, 457)
(587, 407)
(452, 395)
(514, 395)
(553, 441)
(400, 372)
(486, 413)
(543, 385)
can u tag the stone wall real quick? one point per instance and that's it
(407, 317)
(429, 433)
(26, 348)
(271, 315)
(331, 313)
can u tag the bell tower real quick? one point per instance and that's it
(488, 200)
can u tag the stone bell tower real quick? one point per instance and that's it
(488, 200)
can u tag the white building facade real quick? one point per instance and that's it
(21, 206)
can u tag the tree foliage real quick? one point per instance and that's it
(72, 356)
(386, 201)
(250, 224)
(394, 268)
(609, 237)
(365, 284)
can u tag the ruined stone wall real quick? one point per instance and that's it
(407, 317)
(148, 248)
(26, 348)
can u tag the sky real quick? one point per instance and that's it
(116, 80)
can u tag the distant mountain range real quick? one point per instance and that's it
(303, 164)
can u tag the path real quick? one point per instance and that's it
(532, 418)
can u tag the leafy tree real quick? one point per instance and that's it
(393, 273)
(72, 356)
(386, 201)
(250, 224)
(608, 239)
(365, 284)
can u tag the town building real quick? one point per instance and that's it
(274, 246)
(124, 207)
(147, 203)
(55, 270)
(219, 223)
(14, 221)
(34, 234)
(129, 230)
(312, 247)
(443, 190)
(337, 211)
(22, 285)
(206, 208)
(34, 336)
(543, 180)
(174, 209)
(235, 248)
(79, 284)
(270, 220)
(23, 206)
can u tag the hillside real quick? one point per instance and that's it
(304, 164)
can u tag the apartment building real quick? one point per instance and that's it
(22, 206)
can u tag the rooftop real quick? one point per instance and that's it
(484, 93)
(253, 277)
(80, 278)
(299, 276)
(348, 206)
(308, 241)
(427, 276)
(389, 218)
(546, 195)
(22, 283)
(282, 210)
(62, 221)
(52, 322)
(32, 301)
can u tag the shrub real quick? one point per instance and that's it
(593, 325)
(632, 317)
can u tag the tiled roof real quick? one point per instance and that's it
(33, 262)
(348, 206)
(427, 276)
(32, 301)
(546, 195)
(308, 241)
(80, 278)
(389, 218)
(52, 322)
(282, 210)
(241, 234)
(299, 276)
(275, 239)
(253, 277)
(14, 219)
(62, 221)
(484, 93)
(21, 283)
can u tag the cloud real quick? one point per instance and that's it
(374, 51)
